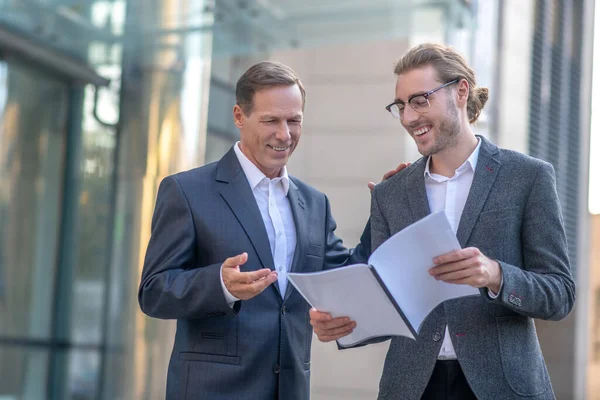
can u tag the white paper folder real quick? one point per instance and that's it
(394, 293)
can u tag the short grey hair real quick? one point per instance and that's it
(264, 75)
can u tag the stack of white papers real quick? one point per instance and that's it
(394, 293)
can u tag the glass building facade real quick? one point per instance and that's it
(100, 100)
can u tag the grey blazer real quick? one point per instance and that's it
(512, 215)
(260, 349)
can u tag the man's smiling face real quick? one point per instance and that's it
(436, 129)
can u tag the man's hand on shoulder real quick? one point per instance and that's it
(389, 174)
(245, 285)
(468, 266)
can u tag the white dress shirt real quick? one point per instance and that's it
(450, 195)
(274, 206)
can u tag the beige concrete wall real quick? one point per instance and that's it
(348, 139)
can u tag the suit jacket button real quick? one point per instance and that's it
(436, 337)
(283, 310)
(276, 368)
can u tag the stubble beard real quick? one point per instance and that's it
(448, 131)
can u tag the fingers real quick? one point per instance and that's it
(393, 172)
(259, 285)
(245, 285)
(323, 322)
(253, 276)
(389, 174)
(233, 262)
(469, 276)
(454, 275)
(318, 316)
(335, 334)
(402, 166)
(457, 255)
(451, 267)
(472, 279)
(244, 277)
(327, 328)
(467, 266)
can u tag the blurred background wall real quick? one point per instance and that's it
(101, 99)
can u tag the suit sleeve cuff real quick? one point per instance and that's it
(229, 298)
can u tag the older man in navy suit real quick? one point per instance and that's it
(224, 238)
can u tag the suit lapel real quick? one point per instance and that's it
(238, 195)
(297, 204)
(485, 174)
(415, 190)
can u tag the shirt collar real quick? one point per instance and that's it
(471, 161)
(255, 175)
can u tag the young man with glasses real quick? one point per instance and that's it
(505, 211)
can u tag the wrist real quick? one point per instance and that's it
(496, 282)
(229, 297)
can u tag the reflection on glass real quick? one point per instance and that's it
(26, 375)
(216, 146)
(32, 139)
(83, 374)
(95, 174)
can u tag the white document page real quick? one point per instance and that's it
(403, 262)
(354, 292)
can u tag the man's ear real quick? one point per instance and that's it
(238, 116)
(462, 92)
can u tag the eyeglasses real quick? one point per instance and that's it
(418, 102)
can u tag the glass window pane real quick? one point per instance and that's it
(84, 367)
(216, 146)
(33, 115)
(23, 373)
(96, 174)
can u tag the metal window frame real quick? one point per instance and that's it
(77, 71)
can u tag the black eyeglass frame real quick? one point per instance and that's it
(426, 95)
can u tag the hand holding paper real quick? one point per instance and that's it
(395, 293)
(468, 267)
(328, 328)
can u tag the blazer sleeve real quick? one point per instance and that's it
(336, 255)
(544, 288)
(173, 286)
(380, 232)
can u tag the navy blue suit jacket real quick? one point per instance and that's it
(260, 348)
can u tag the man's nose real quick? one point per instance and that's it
(410, 115)
(283, 132)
